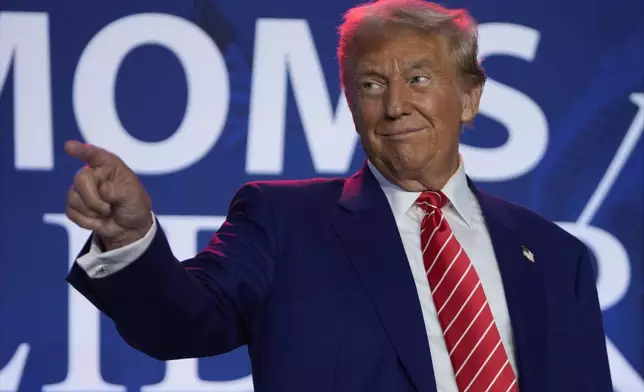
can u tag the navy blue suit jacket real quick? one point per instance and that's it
(312, 276)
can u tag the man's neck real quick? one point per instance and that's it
(432, 177)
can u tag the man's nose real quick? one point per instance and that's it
(397, 100)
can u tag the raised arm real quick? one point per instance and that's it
(163, 307)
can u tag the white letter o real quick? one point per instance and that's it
(207, 86)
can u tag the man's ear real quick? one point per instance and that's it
(470, 103)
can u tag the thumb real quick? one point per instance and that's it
(92, 155)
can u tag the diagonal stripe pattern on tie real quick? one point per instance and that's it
(478, 356)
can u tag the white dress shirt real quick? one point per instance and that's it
(464, 216)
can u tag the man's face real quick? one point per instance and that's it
(407, 102)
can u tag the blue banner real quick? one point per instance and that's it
(201, 96)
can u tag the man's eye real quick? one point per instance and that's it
(419, 79)
(370, 85)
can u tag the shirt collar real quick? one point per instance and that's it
(456, 189)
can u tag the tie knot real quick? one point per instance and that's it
(431, 200)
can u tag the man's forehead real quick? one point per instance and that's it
(413, 61)
(402, 54)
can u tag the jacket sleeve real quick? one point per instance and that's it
(98, 263)
(596, 371)
(200, 307)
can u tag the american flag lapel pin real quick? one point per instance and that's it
(527, 253)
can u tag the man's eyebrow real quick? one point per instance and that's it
(419, 64)
(369, 71)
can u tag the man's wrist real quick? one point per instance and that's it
(127, 238)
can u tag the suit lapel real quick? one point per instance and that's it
(524, 291)
(368, 231)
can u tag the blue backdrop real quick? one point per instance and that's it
(201, 96)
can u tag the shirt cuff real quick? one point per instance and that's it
(99, 264)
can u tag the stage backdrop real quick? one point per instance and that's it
(201, 96)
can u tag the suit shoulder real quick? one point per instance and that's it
(532, 221)
(284, 191)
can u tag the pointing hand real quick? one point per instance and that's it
(107, 197)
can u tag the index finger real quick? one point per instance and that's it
(90, 154)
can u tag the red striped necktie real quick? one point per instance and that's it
(477, 354)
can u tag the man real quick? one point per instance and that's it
(403, 277)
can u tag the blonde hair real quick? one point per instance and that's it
(456, 25)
